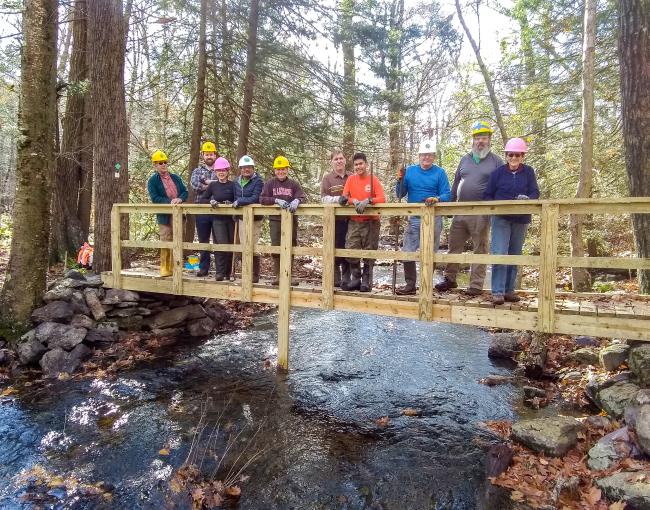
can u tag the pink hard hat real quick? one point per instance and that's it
(221, 164)
(516, 145)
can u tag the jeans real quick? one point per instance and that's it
(223, 229)
(412, 234)
(507, 239)
(204, 231)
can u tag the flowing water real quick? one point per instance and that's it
(312, 436)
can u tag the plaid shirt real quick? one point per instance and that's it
(201, 173)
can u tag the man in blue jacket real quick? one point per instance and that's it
(427, 183)
(248, 187)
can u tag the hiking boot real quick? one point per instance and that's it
(256, 269)
(219, 277)
(511, 297)
(446, 285)
(201, 273)
(366, 278)
(345, 274)
(498, 299)
(337, 275)
(410, 276)
(355, 278)
(472, 292)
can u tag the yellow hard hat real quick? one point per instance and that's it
(482, 128)
(209, 147)
(158, 156)
(281, 162)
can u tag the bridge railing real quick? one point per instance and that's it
(547, 261)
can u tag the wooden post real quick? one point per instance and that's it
(116, 247)
(427, 225)
(177, 250)
(248, 247)
(547, 268)
(329, 222)
(284, 292)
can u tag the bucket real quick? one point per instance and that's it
(192, 263)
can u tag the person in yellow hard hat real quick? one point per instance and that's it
(287, 194)
(470, 181)
(165, 188)
(202, 176)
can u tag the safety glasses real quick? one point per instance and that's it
(515, 155)
(161, 162)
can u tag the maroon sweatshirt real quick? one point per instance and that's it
(286, 190)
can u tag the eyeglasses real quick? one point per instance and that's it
(161, 162)
(514, 155)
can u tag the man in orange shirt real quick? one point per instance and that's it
(363, 231)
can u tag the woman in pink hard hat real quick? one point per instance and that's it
(222, 192)
(512, 181)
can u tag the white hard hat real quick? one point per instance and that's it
(246, 161)
(427, 147)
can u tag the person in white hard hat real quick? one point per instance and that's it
(248, 187)
(427, 183)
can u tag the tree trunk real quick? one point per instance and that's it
(84, 202)
(580, 276)
(227, 87)
(67, 236)
(349, 96)
(634, 57)
(486, 75)
(110, 130)
(249, 80)
(197, 123)
(27, 271)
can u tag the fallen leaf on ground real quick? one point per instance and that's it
(163, 451)
(619, 505)
(8, 391)
(409, 411)
(233, 491)
(383, 422)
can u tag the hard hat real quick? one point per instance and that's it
(221, 164)
(209, 147)
(158, 156)
(516, 145)
(280, 162)
(481, 128)
(246, 161)
(427, 147)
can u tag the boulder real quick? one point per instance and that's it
(175, 316)
(5, 356)
(100, 336)
(58, 361)
(30, 352)
(633, 487)
(111, 326)
(614, 399)
(200, 327)
(532, 391)
(507, 345)
(643, 428)
(170, 332)
(643, 397)
(553, 436)
(56, 311)
(129, 312)
(598, 421)
(70, 283)
(115, 296)
(81, 352)
(585, 356)
(132, 323)
(587, 341)
(611, 448)
(127, 304)
(82, 321)
(78, 302)
(595, 385)
(94, 280)
(94, 303)
(640, 364)
(613, 356)
(179, 301)
(75, 275)
(64, 336)
(58, 294)
(217, 312)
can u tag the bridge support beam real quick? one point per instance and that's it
(284, 292)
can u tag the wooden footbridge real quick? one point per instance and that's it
(545, 310)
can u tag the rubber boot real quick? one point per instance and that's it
(276, 272)
(165, 262)
(366, 277)
(256, 268)
(355, 278)
(410, 276)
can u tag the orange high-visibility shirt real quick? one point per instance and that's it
(359, 188)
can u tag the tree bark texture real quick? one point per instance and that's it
(486, 75)
(27, 271)
(634, 57)
(106, 38)
(249, 80)
(394, 86)
(67, 236)
(349, 78)
(197, 122)
(581, 280)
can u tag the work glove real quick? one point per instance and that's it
(214, 204)
(343, 200)
(294, 205)
(523, 197)
(235, 204)
(361, 206)
(226, 202)
(282, 203)
(429, 201)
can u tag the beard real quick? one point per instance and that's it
(481, 152)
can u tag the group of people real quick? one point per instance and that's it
(481, 175)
